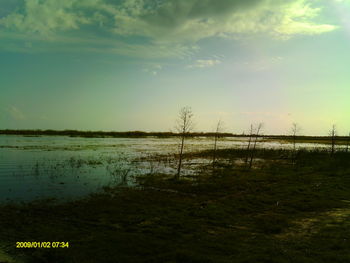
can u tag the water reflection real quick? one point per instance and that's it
(66, 167)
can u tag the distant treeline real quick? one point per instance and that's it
(107, 134)
(136, 134)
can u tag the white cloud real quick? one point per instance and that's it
(153, 69)
(167, 28)
(39, 43)
(280, 19)
(204, 63)
(263, 63)
(45, 17)
(298, 20)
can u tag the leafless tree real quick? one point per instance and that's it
(218, 130)
(258, 130)
(333, 135)
(184, 125)
(295, 130)
(249, 142)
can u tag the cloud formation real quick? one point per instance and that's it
(192, 20)
(164, 24)
(153, 69)
(205, 63)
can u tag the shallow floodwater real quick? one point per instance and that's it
(70, 167)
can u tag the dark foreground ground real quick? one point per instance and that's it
(276, 212)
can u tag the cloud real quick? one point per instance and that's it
(263, 63)
(298, 20)
(204, 63)
(153, 69)
(193, 20)
(166, 25)
(45, 17)
(15, 113)
(59, 43)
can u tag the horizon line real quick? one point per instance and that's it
(134, 133)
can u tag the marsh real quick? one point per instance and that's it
(278, 211)
(66, 168)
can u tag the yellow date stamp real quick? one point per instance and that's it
(42, 244)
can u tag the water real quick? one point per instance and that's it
(71, 167)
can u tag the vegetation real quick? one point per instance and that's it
(218, 129)
(136, 134)
(333, 135)
(183, 127)
(275, 212)
(252, 152)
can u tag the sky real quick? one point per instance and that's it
(121, 65)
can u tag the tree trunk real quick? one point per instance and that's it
(214, 154)
(250, 140)
(180, 157)
(253, 150)
(294, 149)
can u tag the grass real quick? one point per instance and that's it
(276, 212)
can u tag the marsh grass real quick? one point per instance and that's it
(278, 211)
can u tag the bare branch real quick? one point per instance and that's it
(333, 135)
(219, 128)
(184, 126)
(258, 130)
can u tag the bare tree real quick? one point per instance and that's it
(295, 131)
(216, 136)
(258, 129)
(184, 125)
(249, 142)
(333, 134)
